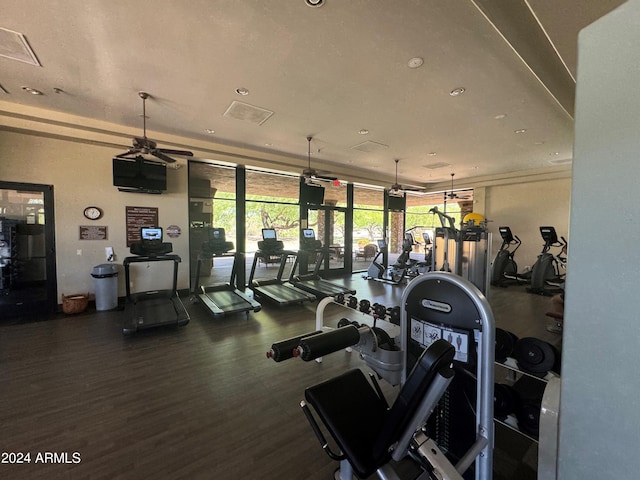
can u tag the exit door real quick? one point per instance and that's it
(27, 250)
(329, 225)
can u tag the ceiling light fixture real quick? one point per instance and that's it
(500, 116)
(314, 3)
(415, 62)
(519, 131)
(242, 91)
(456, 92)
(363, 131)
(32, 91)
(432, 154)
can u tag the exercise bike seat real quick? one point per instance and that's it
(359, 421)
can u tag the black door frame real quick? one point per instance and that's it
(348, 234)
(50, 303)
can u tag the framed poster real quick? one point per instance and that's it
(138, 217)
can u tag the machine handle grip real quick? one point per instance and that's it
(318, 432)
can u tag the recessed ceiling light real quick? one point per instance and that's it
(538, 143)
(456, 92)
(363, 131)
(268, 144)
(57, 90)
(500, 116)
(520, 130)
(432, 154)
(242, 91)
(415, 62)
(209, 131)
(3, 90)
(314, 3)
(32, 91)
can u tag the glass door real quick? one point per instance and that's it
(329, 225)
(27, 250)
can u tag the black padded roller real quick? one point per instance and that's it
(283, 350)
(316, 346)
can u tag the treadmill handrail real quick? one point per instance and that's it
(156, 258)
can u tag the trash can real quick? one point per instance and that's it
(106, 286)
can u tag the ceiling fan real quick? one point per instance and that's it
(453, 195)
(142, 145)
(397, 189)
(310, 174)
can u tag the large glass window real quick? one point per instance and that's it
(335, 194)
(368, 220)
(212, 203)
(272, 202)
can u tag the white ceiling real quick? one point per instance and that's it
(327, 72)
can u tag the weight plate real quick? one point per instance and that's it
(505, 342)
(535, 356)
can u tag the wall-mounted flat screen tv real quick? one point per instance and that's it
(312, 194)
(139, 175)
(396, 204)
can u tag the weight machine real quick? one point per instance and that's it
(445, 330)
(465, 252)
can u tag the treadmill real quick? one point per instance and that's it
(224, 298)
(276, 289)
(311, 248)
(152, 308)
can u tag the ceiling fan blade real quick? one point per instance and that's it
(162, 156)
(326, 177)
(132, 151)
(185, 153)
(411, 189)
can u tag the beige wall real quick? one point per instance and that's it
(81, 176)
(525, 207)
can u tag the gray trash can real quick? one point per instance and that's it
(106, 286)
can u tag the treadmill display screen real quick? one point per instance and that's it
(151, 234)
(268, 234)
(308, 233)
(216, 234)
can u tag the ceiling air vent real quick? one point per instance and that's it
(248, 113)
(14, 45)
(433, 166)
(370, 146)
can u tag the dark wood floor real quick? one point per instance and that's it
(201, 401)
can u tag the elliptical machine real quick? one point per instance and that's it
(504, 265)
(546, 270)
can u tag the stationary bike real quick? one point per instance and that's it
(546, 270)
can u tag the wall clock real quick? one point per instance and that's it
(92, 213)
